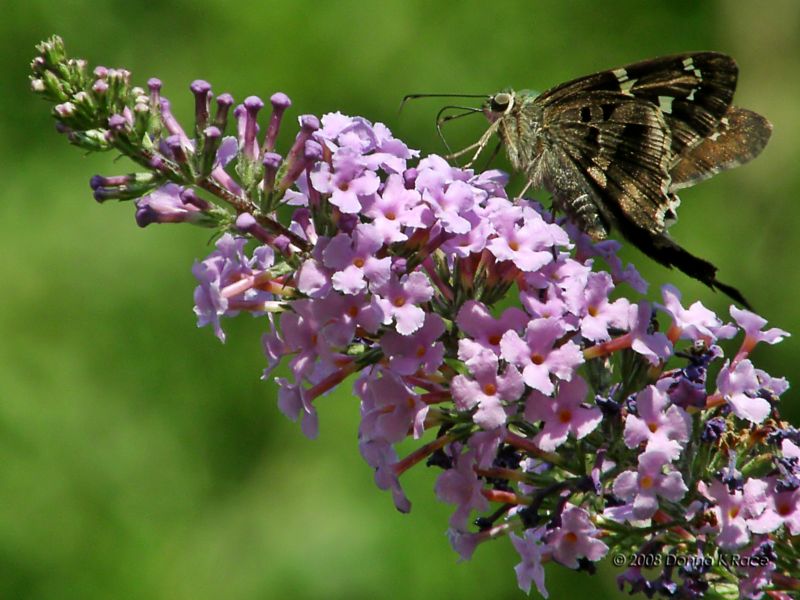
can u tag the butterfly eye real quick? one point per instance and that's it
(500, 102)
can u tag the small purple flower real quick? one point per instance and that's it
(493, 182)
(739, 385)
(380, 455)
(373, 142)
(301, 336)
(549, 304)
(169, 204)
(563, 415)
(313, 279)
(228, 264)
(465, 543)
(348, 182)
(340, 316)
(558, 276)
(654, 346)
(354, 262)
(596, 311)
(696, 322)
(782, 508)
(575, 538)
(399, 299)
(475, 320)
(752, 324)
(733, 509)
(451, 205)
(538, 355)
(389, 408)
(528, 246)
(531, 551)
(663, 426)
(394, 209)
(420, 350)
(486, 444)
(471, 243)
(487, 389)
(790, 449)
(293, 402)
(460, 485)
(650, 482)
(390, 154)
(585, 248)
(434, 174)
(356, 134)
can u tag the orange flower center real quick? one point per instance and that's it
(398, 302)
(784, 509)
(490, 389)
(537, 359)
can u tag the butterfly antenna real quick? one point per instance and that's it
(408, 97)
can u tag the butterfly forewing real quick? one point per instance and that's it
(693, 90)
(623, 146)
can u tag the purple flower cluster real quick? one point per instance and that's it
(562, 414)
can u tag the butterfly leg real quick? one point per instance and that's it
(525, 189)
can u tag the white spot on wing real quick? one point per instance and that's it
(688, 64)
(597, 175)
(625, 86)
(665, 103)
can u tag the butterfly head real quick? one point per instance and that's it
(499, 105)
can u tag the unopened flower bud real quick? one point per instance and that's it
(280, 102)
(202, 97)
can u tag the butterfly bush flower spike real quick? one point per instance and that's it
(482, 337)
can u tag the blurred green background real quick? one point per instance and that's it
(139, 458)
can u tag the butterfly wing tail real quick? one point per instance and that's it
(664, 250)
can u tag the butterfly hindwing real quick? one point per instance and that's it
(740, 137)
